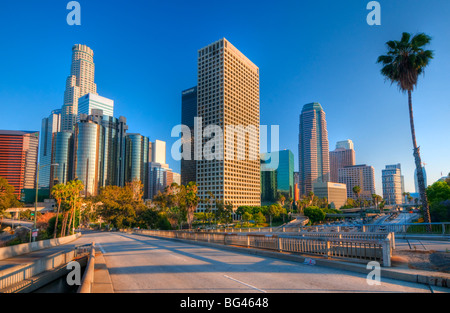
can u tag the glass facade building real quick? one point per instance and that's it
(50, 125)
(285, 170)
(188, 113)
(91, 101)
(313, 148)
(62, 154)
(136, 167)
(88, 155)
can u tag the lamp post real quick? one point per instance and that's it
(38, 168)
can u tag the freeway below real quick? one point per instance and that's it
(153, 265)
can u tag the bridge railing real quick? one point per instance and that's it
(349, 248)
(88, 276)
(400, 228)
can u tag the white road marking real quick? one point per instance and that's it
(101, 249)
(253, 287)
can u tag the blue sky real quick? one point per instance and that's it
(307, 51)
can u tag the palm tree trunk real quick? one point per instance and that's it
(64, 223)
(418, 161)
(70, 222)
(55, 231)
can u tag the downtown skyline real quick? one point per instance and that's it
(359, 105)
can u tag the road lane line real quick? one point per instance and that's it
(253, 287)
(101, 249)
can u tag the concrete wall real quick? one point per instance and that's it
(13, 251)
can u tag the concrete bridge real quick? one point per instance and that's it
(128, 263)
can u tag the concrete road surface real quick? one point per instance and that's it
(151, 265)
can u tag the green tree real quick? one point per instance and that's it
(315, 214)
(438, 195)
(246, 217)
(7, 197)
(259, 218)
(404, 62)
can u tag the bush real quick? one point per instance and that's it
(314, 214)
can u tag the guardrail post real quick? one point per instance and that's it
(386, 252)
(280, 245)
(443, 229)
(328, 249)
(248, 241)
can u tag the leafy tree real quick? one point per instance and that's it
(404, 62)
(439, 198)
(7, 197)
(315, 214)
(246, 217)
(259, 218)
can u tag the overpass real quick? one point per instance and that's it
(138, 263)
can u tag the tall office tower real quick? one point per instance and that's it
(268, 185)
(122, 128)
(177, 178)
(99, 151)
(285, 170)
(50, 125)
(416, 183)
(343, 156)
(391, 178)
(88, 155)
(137, 160)
(79, 83)
(188, 113)
(62, 154)
(157, 178)
(157, 152)
(358, 175)
(18, 158)
(228, 99)
(345, 144)
(314, 164)
(91, 101)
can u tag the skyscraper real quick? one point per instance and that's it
(79, 83)
(188, 113)
(345, 144)
(137, 157)
(91, 101)
(285, 170)
(62, 154)
(50, 125)
(358, 175)
(391, 178)
(18, 158)
(313, 150)
(343, 156)
(416, 183)
(88, 154)
(228, 103)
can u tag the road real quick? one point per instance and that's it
(153, 265)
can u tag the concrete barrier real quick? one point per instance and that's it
(13, 251)
(88, 277)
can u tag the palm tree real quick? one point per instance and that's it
(404, 63)
(357, 191)
(59, 192)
